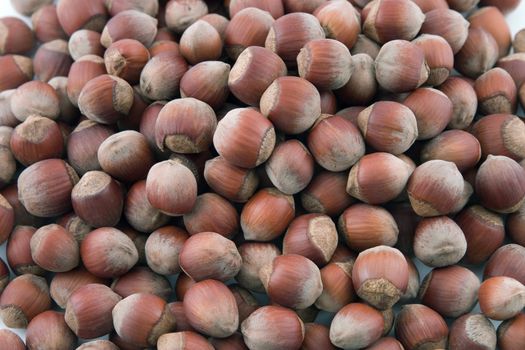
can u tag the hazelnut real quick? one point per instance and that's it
(18, 251)
(108, 252)
(85, 42)
(144, 28)
(141, 319)
(17, 37)
(63, 284)
(163, 46)
(448, 24)
(326, 194)
(125, 156)
(253, 72)
(452, 291)
(219, 22)
(292, 281)
(514, 65)
(25, 297)
(380, 276)
(313, 236)
(363, 74)
(392, 19)
(207, 82)
(11, 340)
(185, 125)
(77, 14)
(510, 333)
(473, 331)
(515, 226)
(496, 92)
(150, 7)
(519, 41)
(49, 329)
(316, 336)
(208, 255)
(81, 72)
(507, 193)
(338, 289)
(254, 255)
(378, 170)
(212, 212)
(16, 70)
(273, 327)
(163, 248)
(183, 341)
(125, 59)
(35, 97)
(356, 326)
(501, 298)
(44, 188)
(365, 226)
(507, 260)
(439, 57)
(54, 248)
(177, 309)
(22, 216)
(464, 101)
(184, 282)
(142, 280)
(211, 309)
(328, 102)
(267, 214)
(340, 21)
(52, 59)
(68, 112)
(290, 33)
(493, 22)
(246, 302)
(478, 54)
(366, 46)
(439, 242)
(386, 343)
(200, 42)
(418, 326)
(160, 77)
(180, 14)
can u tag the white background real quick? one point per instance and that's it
(516, 21)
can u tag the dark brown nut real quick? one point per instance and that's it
(185, 340)
(142, 280)
(49, 329)
(366, 46)
(452, 291)
(501, 134)
(46, 25)
(464, 101)
(478, 54)
(161, 76)
(208, 255)
(501, 297)
(286, 42)
(18, 251)
(356, 325)
(363, 75)
(510, 333)
(138, 211)
(254, 255)
(163, 248)
(7, 219)
(180, 14)
(125, 59)
(64, 284)
(44, 188)
(235, 183)
(392, 19)
(83, 144)
(378, 170)
(28, 7)
(418, 326)
(16, 70)
(365, 226)
(515, 226)
(171, 188)
(439, 57)
(211, 309)
(200, 42)
(388, 126)
(449, 24)
(283, 103)
(24, 297)
(108, 252)
(496, 92)
(81, 72)
(36, 139)
(290, 168)
(249, 27)
(85, 42)
(267, 215)
(11, 340)
(125, 156)
(7, 118)
(17, 37)
(280, 277)
(340, 21)
(253, 72)
(439, 242)
(473, 331)
(275, 8)
(400, 66)
(338, 289)
(54, 248)
(106, 99)
(500, 184)
(185, 125)
(207, 82)
(150, 7)
(326, 63)
(35, 97)
(94, 191)
(514, 65)
(144, 28)
(212, 212)
(508, 260)
(493, 22)
(77, 14)
(88, 310)
(52, 59)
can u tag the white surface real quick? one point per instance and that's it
(516, 21)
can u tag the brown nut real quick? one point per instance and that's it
(478, 54)
(52, 59)
(340, 20)
(17, 37)
(496, 92)
(150, 7)
(200, 42)
(35, 97)
(501, 297)
(254, 255)
(144, 28)
(448, 24)
(184, 340)
(508, 261)
(510, 333)
(161, 76)
(49, 329)
(418, 326)
(464, 101)
(492, 20)
(17, 70)
(212, 212)
(515, 226)
(514, 65)
(163, 248)
(473, 331)
(363, 75)
(74, 15)
(63, 284)
(439, 57)
(7, 219)
(366, 46)
(519, 44)
(54, 248)
(142, 280)
(85, 42)
(356, 326)
(338, 289)
(326, 194)
(11, 340)
(125, 59)
(81, 72)
(207, 82)
(18, 251)
(180, 14)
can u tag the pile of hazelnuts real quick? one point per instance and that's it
(262, 174)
